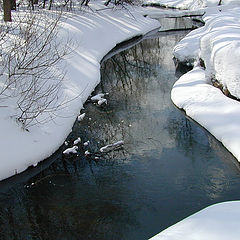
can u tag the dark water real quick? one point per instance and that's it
(168, 168)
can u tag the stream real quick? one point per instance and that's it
(168, 168)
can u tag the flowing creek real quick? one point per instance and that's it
(168, 168)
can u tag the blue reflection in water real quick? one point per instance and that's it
(168, 168)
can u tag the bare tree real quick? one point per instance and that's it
(29, 66)
(120, 2)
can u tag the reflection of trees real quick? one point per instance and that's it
(196, 144)
(75, 198)
(189, 137)
(132, 78)
(131, 71)
(224, 154)
(61, 207)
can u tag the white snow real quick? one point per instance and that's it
(187, 50)
(157, 13)
(81, 117)
(98, 97)
(210, 108)
(218, 44)
(78, 140)
(111, 147)
(220, 47)
(93, 34)
(87, 153)
(103, 100)
(191, 4)
(86, 143)
(72, 150)
(217, 222)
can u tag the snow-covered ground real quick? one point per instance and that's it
(217, 222)
(209, 107)
(93, 33)
(190, 4)
(217, 44)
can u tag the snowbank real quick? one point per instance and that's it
(94, 34)
(181, 4)
(190, 4)
(217, 222)
(218, 44)
(220, 49)
(157, 13)
(209, 107)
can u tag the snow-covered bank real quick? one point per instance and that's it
(157, 13)
(217, 44)
(217, 222)
(94, 34)
(209, 107)
(190, 4)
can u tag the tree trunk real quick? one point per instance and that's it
(107, 2)
(32, 5)
(50, 4)
(13, 5)
(44, 3)
(7, 10)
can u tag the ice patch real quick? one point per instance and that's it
(111, 147)
(72, 150)
(78, 140)
(97, 97)
(81, 117)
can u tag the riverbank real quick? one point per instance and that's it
(213, 52)
(190, 4)
(94, 33)
(217, 222)
(214, 47)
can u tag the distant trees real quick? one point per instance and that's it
(9, 5)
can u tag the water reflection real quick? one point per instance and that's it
(168, 169)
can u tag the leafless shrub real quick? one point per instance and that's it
(30, 54)
(122, 2)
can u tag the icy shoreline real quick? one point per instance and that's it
(217, 45)
(217, 222)
(94, 34)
